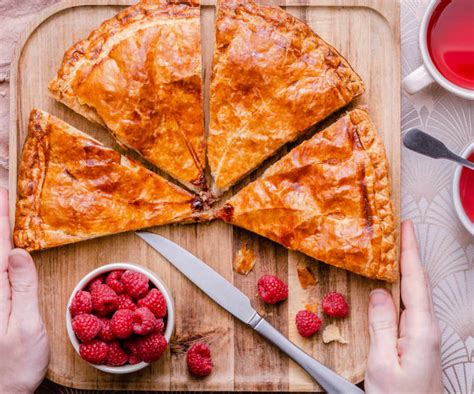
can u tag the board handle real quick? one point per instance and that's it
(329, 380)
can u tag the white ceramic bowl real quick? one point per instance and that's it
(153, 279)
(457, 198)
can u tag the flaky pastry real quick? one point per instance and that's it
(72, 188)
(139, 74)
(272, 78)
(330, 198)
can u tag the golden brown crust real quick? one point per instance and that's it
(272, 79)
(28, 223)
(330, 198)
(139, 74)
(374, 147)
(72, 188)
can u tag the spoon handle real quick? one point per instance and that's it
(421, 142)
(462, 161)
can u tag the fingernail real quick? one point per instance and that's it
(378, 297)
(18, 258)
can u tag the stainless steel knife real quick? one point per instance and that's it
(238, 304)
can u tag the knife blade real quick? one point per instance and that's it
(238, 304)
(213, 284)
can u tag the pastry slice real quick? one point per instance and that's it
(329, 198)
(72, 188)
(272, 78)
(139, 74)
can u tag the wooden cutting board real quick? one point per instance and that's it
(367, 33)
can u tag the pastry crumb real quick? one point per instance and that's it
(312, 307)
(306, 277)
(331, 333)
(244, 260)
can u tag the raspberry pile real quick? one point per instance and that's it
(119, 319)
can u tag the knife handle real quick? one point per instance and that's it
(327, 379)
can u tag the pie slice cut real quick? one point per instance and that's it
(72, 188)
(272, 78)
(139, 74)
(329, 198)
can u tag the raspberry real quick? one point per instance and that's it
(136, 284)
(132, 350)
(104, 299)
(159, 326)
(81, 303)
(155, 302)
(272, 289)
(126, 302)
(116, 356)
(151, 347)
(144, 321)
(335, 305)
(113, 281)
(97, 281)
(307, 323)
(94, 352)
(121, 323)
(199, 359)
(86, 327)
(106, 334)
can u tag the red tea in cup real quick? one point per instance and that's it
(466, 189)
(450, 38)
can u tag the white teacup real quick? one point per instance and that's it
(461, 212)
(427, 73)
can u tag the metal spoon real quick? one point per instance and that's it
(423, 143)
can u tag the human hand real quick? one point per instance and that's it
(405, 357)
(24, 345)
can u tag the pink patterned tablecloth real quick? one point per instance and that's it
(446, 247)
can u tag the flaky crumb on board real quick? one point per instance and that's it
(331, 333)
(244, 260)
(312, 307)
(306, 277)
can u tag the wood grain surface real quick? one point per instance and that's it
(49, 387)
(366, 32)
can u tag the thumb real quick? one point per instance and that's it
(382, 328)
(24, 284)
